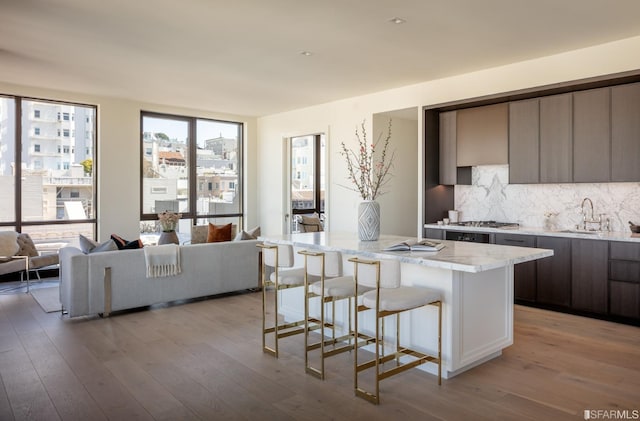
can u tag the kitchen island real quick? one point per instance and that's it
(475, 280)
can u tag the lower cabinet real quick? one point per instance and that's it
(624, 279)
(589, 264)
(524, 274)
(554, 273)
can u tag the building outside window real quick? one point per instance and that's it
(191, 158)
(36, 196)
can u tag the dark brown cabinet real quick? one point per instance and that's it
(448, 137)
(524, 274)
(591, 136)
(624, 279)
(554, 273)
(625, 132)
(589, 261)
(556, 148)
(482, 135)
(524, 141)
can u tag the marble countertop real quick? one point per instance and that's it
(456, 255)
(593, 235)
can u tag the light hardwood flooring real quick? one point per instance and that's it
(203, 360)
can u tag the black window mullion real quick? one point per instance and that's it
(18, 165)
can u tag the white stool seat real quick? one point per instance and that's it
(401, 298)
(342, 286)
(289, 276)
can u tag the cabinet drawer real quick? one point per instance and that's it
(624, 251)
(624, 270)
(516, 240)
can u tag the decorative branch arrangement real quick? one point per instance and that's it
(369, 170)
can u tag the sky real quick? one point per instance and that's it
(177, 129)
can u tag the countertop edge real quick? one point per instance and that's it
(606, 236)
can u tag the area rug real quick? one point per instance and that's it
(48, 298)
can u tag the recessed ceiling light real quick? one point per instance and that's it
(397, 21)
(306, 53)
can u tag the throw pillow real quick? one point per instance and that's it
(8, 243)
(252, 234)
(199, 234)
(219, 233)
(87, 244)
(108, 245)
(126, 245)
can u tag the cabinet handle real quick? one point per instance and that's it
(509, 240)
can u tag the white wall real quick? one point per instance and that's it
(118, 155)
(342, 116)
(403, 185)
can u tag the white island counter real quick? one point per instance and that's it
(475, 280)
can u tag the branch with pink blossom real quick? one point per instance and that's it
(369, 167)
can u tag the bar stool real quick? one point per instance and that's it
(389, 298)
(284, 276)
(330, 288)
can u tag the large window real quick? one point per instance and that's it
(192, 166)
(51, 193)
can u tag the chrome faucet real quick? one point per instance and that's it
(592, 219)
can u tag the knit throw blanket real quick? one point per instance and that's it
(162, 260)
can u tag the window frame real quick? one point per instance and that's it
(192, 169)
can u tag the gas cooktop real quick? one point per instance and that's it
(486, 224)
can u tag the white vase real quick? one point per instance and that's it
(369, 220)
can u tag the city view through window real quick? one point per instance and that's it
(51, 194)
(200, 180)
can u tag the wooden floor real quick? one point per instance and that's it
(203, 361)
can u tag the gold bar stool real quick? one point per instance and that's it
(330, 288)
(280, 259)
(390, 298)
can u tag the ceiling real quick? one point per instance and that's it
(243, 56)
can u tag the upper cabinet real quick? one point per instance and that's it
(448, 148)
(556, 158)
(625, 132)
(524, 141)
(482, 135)
(583, 136)
(591, 135)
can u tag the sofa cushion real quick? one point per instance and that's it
(219, 233)
(126, 245)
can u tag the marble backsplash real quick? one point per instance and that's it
(491, 197)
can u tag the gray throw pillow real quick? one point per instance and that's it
(252, 234)
(108, 245)
(89, 246)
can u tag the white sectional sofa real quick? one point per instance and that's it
(100, 283)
